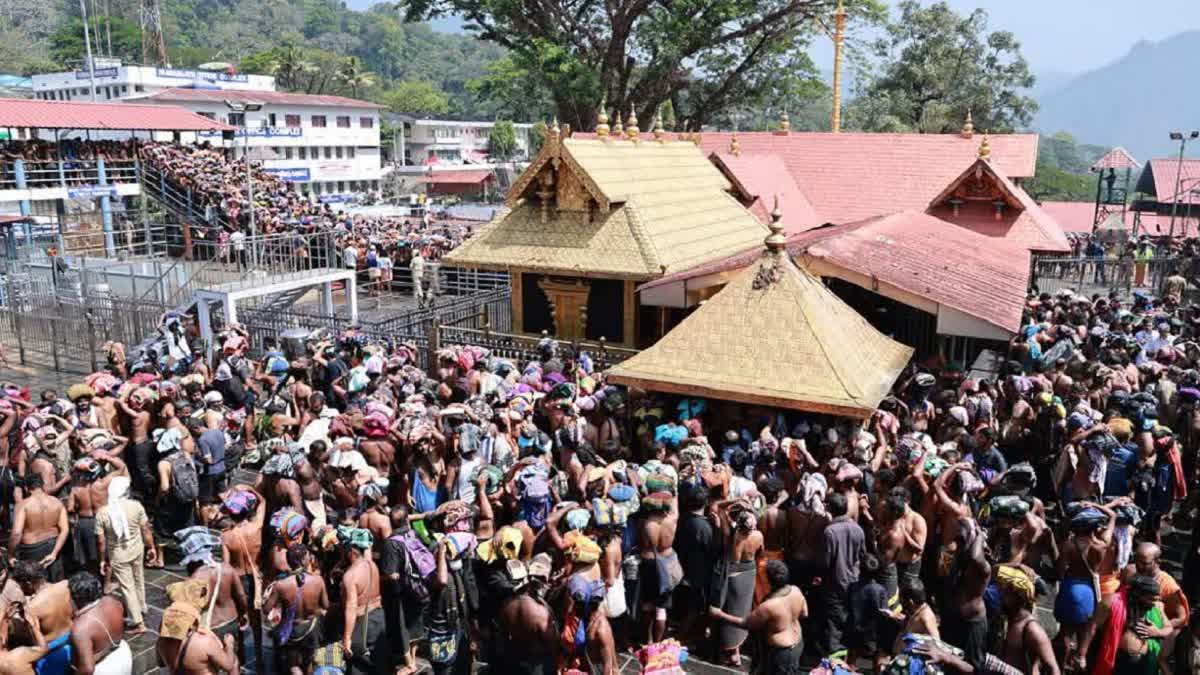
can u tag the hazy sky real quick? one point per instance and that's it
(1068, 36)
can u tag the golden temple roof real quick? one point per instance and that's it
(614, 208)
(774, 336)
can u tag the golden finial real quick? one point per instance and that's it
(683, 132)
(631, 124)
(968, 127)
(696, 137)
(785, 124)
(618, 129)
(554, 128)
(776, 241)
(659, 132)
(735, 148)
(985, 148)
(602, 119)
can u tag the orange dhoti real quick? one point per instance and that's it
(761, 588)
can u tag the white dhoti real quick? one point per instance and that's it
(118, 662)
(614, 597)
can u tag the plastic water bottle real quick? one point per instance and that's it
(683, 655)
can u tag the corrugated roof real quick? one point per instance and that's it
(35, 114)
(775, 335)
(456, 177)
(266, 97)
(763, 178)
(1117, 158)
(933, 259)
(668, 209)
(1164, 177)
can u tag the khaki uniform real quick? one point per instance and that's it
(126, 556)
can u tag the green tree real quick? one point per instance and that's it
(417, 97)
(935, 65)
(1050, 183)
(354, 76)
(66, 43)
(502, 141)
(512, 91)
(702, 55)
(537, 136)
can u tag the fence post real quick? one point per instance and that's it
(54, 332)
(433, 337)
(91, 338)
(15, 314)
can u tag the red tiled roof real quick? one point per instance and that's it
(852, 176)
(933, 259)
(1117, 158)
(762, 178)
(26, 113)
(1165, 174)
(265, 97)
(916, 252)
(1025, 224)
(1075, 217)
(456, 177)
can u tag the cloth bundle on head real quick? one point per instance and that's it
(1015, 580)
(658, 502)
(279, 464)
(969, 483)
(358, 380)
(1085, 519)
(606, 514)
(1008, 506)
(578, 519)
(167, 440)
(847, 472)
(1019, 477)
(814, 489)
(188, 598)
(199, 544)
(79, 391)
(670, 435)
(659, 482)
(459, 544)
(87, 468)
(505, 545)
(355, 537)
(100, 383)
(370, 493)
(625, 497)
(326, 539)
(289, 524)
(581, 549)
(239, 502)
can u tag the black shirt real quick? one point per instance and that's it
(698, 546)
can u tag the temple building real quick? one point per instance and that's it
(591, 219)
(774, 336)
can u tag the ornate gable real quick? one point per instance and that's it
(979, 184)
(553, 181)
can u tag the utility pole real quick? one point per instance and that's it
(839, 28)
(1183, 140)
(87, 41)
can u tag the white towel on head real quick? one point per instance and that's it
(1124, 540)
(117, 489)
(815, 487)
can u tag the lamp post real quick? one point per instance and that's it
(1183, 140)
(244, 108)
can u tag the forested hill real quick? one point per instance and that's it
(317, 46)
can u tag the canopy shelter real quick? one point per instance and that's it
(773, 336)
(20, 113)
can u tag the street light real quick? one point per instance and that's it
(1178, 136)
(244, 108)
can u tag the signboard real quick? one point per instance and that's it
(207, 75)
(292, 175)
(334, 199)
(335, 169)
(100, 72)
(91, 191)
(261, 132)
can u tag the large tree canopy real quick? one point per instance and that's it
(703, 55)
(934, 65)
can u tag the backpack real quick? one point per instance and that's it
(185, 483)
(421, 566)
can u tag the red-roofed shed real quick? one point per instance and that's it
(21, 113)
(457, 182)
(179, 94)
(1117, 158)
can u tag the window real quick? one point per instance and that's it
(138, 87)
(350, 152)
(341, 186)
(236, 119)
(302, 152)
(287, 153)
(124, 89)
(211, 116)
(318, 121)
(328, 152)
(292, 121)
(366, 122)
(271, 121)
(338, 152)
(343, 121)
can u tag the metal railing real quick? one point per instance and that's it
(67, 173)
(1088, 275)
(185, 203)
(523, 348)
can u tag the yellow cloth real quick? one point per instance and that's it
(178, 620)
(1015, 580)
(505, 545)
(1121, 428)
(581, 549)
(1109, 584)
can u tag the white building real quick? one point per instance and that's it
(426, 142)
(327, 145)
(116, 81)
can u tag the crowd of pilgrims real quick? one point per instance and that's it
(218, 187)
(528, 516)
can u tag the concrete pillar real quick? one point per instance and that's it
(352, 298)
(22, 184)
(327, 298)
(230, 310)
(110, 246)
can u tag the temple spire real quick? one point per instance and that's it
(775, 241)
(735, 148)
(602, 119)
(659, 132)
(968, 127)
(985, 148)
(618, 130)
(631, 123)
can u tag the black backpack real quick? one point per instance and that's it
(185, 482)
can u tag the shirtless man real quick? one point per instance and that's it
(242, 542)
(306, 595)
(966, 624)
(85, 499)
(1026, 645)
(40, 528)
(1075, 606)
(952, 515)
(280, 491)
(308, 477)
(774, 528)
(1146, 562)
(778, 617)
(132, 405)
(48, 605)
(914, 615)
(99, 625)
(375, 517)
(231, 609)
(528, 642)
(204, 654)
(807, 520)
(655, 540)
(901, 539)
(366, 646)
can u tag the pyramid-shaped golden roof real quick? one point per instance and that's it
(775, 336)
